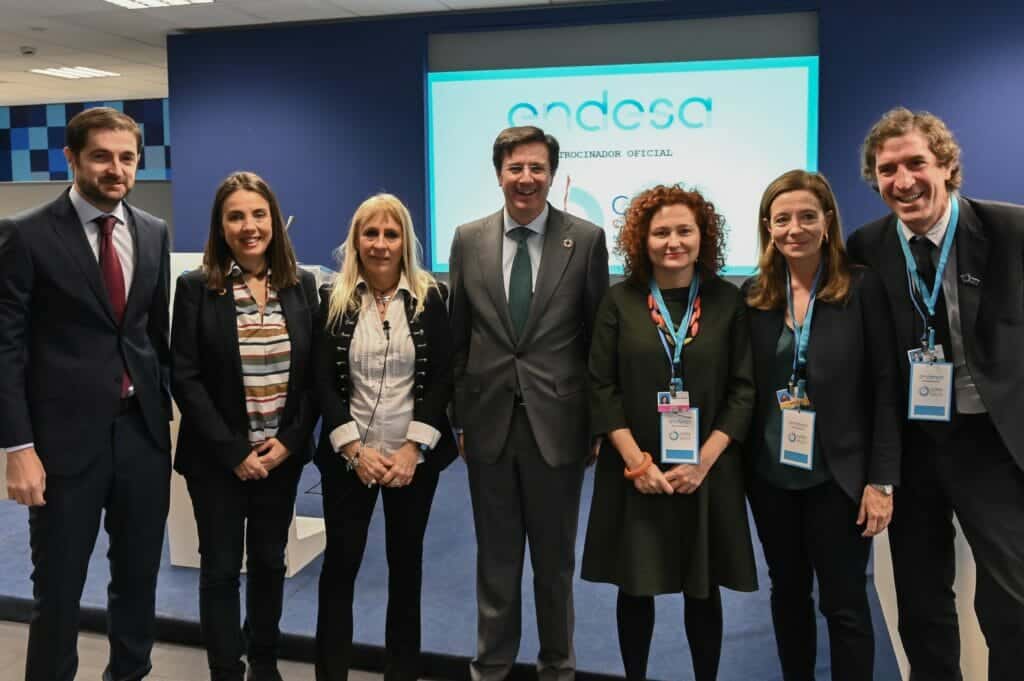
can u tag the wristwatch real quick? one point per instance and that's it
(884, 489)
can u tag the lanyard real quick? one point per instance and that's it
(929, 294)
(801, 332)
(678, 335)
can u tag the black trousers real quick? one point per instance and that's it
(972, 474)
(806, 534)
(128, 483)
(235, 516)
(348, 508)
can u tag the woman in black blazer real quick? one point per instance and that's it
(816, 511)
(383, 379)
(241, 350)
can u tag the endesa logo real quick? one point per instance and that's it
(594, 115)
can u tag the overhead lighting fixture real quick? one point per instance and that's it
(75, 72)
(147, 4)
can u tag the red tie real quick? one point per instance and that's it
(113, 279)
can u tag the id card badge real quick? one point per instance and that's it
(797, 446)
(678, 401)
(931, 391)
(679, 436)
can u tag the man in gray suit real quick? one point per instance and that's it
(526, 282)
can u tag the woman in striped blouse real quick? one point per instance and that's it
(241, 347)
(383, 381)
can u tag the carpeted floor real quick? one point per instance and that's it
(449, 610)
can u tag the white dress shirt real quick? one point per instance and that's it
(392, 421)
(534, 245)
(968, 400)
(87, 213)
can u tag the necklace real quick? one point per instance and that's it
(382, 298)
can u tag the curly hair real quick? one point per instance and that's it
(631, 242)
(900, 121)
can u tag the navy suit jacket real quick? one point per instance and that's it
(990, 287)
(851, 379)
(207, 376)
(62, 353)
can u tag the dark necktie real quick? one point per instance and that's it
(113, 278)
(520, 283)
(922, 249)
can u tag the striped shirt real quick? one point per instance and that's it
(265, 351)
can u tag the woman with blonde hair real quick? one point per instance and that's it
(384, 380)
(824, 450)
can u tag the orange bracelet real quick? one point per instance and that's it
(634, 473)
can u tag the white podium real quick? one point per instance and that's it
(973, 650)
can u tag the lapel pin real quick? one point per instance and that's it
(568, 243)
(970, 279)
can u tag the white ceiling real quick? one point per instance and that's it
(99, 35)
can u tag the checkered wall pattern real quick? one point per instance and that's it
(32, 139)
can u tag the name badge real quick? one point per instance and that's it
(797, 446)
(678, 401)
(680, 442)
(931, 391)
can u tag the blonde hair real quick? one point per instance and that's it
(345, 298)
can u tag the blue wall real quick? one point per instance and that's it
(32, 139)
(330, 114)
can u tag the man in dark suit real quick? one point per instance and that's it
(84, 405)
(972, 465)
(526, 283)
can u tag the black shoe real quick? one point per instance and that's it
(265, 671)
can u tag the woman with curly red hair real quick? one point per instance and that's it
(668, 512)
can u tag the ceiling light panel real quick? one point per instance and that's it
(75, 72)
(147, 4)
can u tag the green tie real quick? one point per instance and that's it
(520, 283)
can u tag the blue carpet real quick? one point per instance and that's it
(449, 596)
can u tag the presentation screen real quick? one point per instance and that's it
(725, 127)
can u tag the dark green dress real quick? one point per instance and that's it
(653, 544)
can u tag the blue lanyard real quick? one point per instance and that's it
(801, 332)
(929, 294)
(678, 335)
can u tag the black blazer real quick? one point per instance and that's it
(990, 267)
(432, 384)
(851, 380)
(207, 376)
(61, 351)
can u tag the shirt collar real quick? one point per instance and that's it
(537, 226)
(88, 212)
(235, 270)
(403, 285)
(936, 232)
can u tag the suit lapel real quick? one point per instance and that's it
(553, 261)
(972, 261)
(145, 252)
(766, 327)
(290, 303)
(227, 324)
(893, 269)
(72, 236)
(489, 246)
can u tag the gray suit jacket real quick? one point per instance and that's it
(549, 362)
